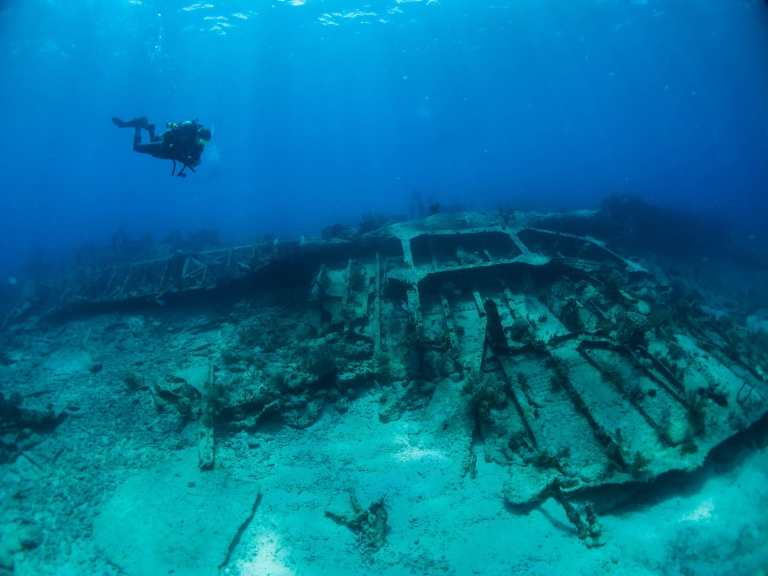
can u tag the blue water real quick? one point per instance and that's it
(324, 110)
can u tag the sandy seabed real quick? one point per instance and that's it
(441, 520)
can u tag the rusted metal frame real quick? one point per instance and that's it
(519, 243)
(349, 296)
(520, 400)
(508, 297)
(581, 264)
(147, 270)
(384, 272)
(451, 325)
(206, 446)
(98, 273)
(64, 293)
(199, 266)
(184, 270)
(376, 319)
(76, 291)
(482, 366)
(196, 272)
(414, 304)
(407, 254)
(109, 284)
(514, 383)
(478, 301)
(348, 285)
(125, 283)
(480, 363)
(607, 345)
(613, 448)
(366, 282)
(651, 422)
(559, 338)
(48, 307)
(254, 250)
(742, 400)
(193, 274)
(677, 393)
(52, 294)
(165, 271)
(596, 309)
(170, 256)
(431, 245)
(663, 369)
(112, 296)
(486, 344)
(588, 239)
(723, 358)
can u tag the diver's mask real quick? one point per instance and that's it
(203, 136)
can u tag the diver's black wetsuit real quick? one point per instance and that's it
(179, 143)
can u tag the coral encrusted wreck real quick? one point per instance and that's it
(577, 365)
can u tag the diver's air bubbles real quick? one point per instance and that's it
(155, 46)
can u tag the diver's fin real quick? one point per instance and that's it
(135, 123)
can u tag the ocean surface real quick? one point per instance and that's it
(457, 288)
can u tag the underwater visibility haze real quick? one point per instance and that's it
(322, 111)
(456, 287)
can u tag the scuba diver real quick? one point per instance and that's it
(183, 142)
